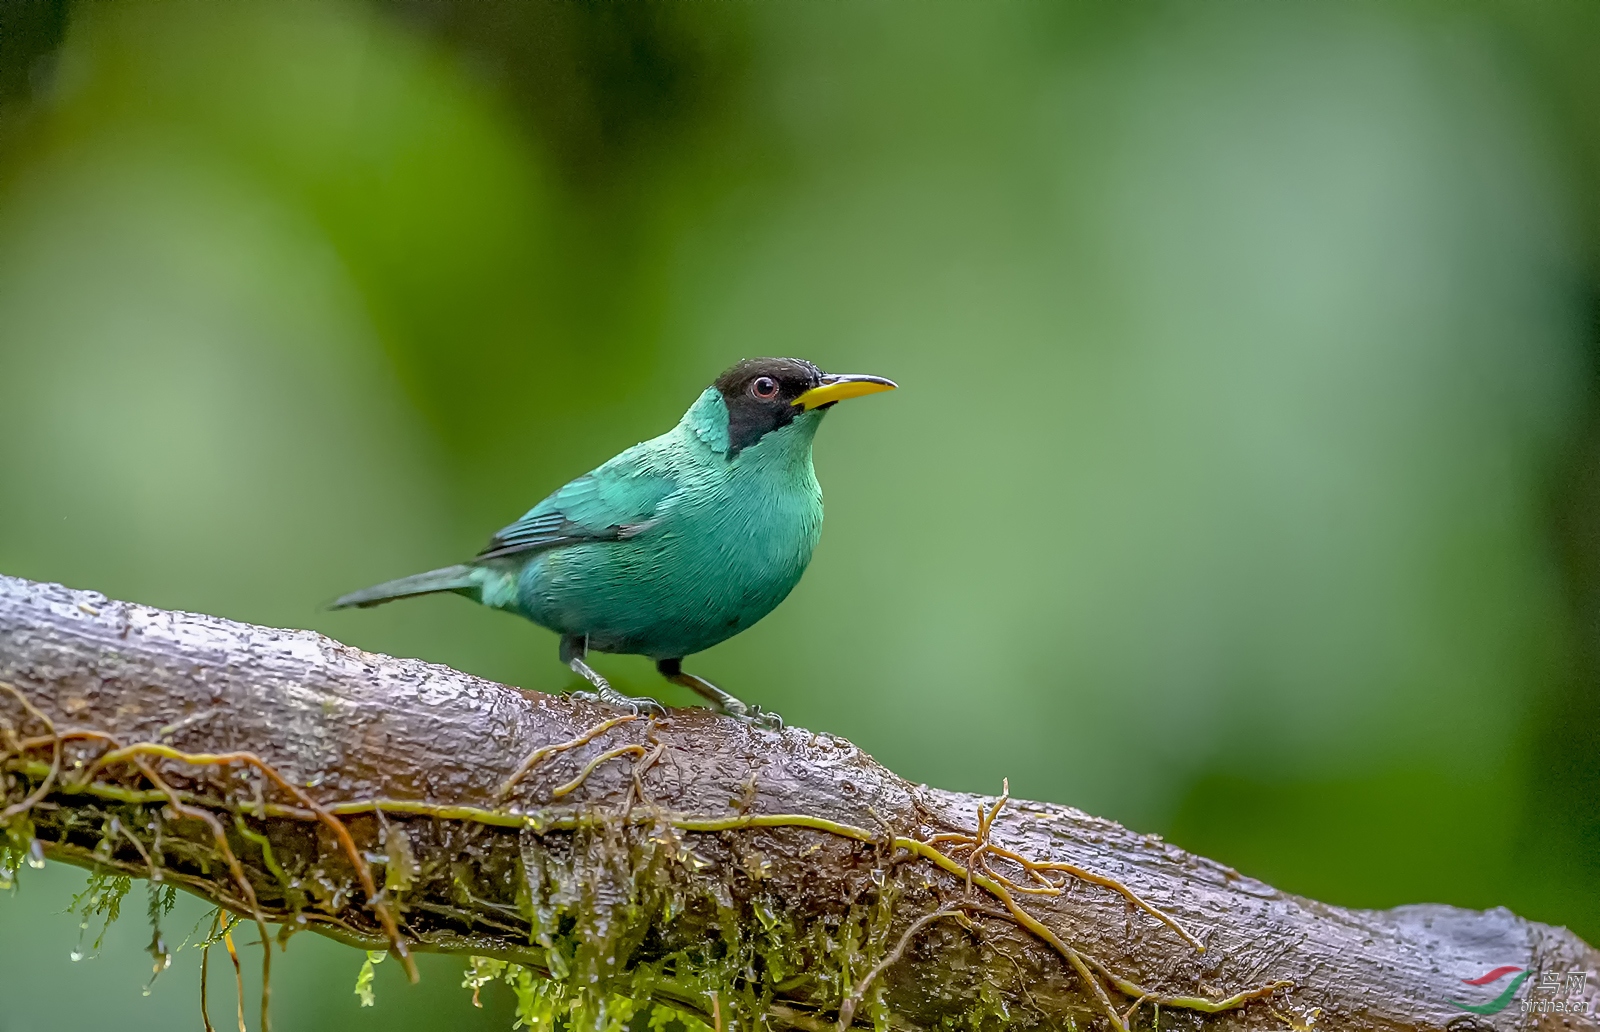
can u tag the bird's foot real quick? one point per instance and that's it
(572, 652)
(721, 701)
(639, 705)
(752, 714)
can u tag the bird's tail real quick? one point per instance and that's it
(450, 578)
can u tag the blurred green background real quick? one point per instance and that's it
(1244, 485)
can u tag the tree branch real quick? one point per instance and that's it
(735, 873)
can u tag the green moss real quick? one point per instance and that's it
(100, 899)
(620, 919)
(18, 846)
(163, 898)
(545, 1005)
(264, 844)
(365, 975)
(400, 867)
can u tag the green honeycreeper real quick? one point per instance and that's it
(676, 544)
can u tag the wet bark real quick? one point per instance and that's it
(682, 858)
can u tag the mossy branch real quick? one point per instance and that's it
(743, 876)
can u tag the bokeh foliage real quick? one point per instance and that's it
(1244, 483)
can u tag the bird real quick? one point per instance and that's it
(673, 546)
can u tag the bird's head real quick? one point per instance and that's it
(767, 394)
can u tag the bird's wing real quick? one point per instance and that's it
(617, 501)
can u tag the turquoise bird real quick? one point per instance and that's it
(676, 544)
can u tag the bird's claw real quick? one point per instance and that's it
(639, 706)
(647, 708)
(755, 715)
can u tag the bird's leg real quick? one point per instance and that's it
(721, 701)
(573, 649)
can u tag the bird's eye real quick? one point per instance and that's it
(764, 387)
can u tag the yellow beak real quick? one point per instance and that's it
(838, 387)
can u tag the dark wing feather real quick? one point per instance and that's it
(616, 502)
(546, 530)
